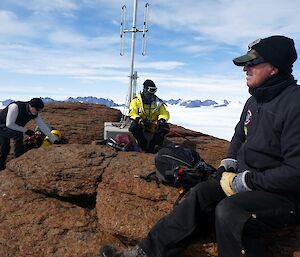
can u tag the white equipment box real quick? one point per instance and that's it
(113, 128)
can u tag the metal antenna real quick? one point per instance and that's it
(110, 128)
(133, 74)
(145, 28)
(122, 29)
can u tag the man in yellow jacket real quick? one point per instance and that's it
(148, 114)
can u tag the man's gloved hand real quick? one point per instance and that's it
(227, 164)
(241, 182)
(144, 123)
(140, 121)
(29, 132)
(226, 183)
(233, 183)
(161, 124)
(147, 124)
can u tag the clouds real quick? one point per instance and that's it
(228, 21)
(42, 6)
(12, 26)
(190, 46)
(35, 60)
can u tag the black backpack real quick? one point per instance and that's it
(180, 167)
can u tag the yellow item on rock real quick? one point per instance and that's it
(47, 141)
(56, 133)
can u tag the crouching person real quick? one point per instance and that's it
(148, 114)
(13, 119)
(258, 185)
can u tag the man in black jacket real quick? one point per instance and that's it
(13, 119)
(257, 189)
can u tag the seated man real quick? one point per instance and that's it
(148, 114)
(259, 187)
(13, 119)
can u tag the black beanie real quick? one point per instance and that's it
(36, 103)
(148, 83)
(277, 50)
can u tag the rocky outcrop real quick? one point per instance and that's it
(33, 224)
(63, 170)
(80, 123)
(67, 200)
(128, 206)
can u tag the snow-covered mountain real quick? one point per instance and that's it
(108, 102)
(86, 99)
(197, 103)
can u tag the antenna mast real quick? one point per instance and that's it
(133, 74)
(113, 128)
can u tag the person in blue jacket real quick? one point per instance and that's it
(257, 189)
(13, 119)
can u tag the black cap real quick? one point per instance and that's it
(36, 103)
(277, 50)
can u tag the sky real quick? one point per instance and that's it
(71, 48)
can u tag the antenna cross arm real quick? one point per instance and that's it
(134, 30)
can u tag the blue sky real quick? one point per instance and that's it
(63, 48)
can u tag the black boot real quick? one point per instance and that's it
(109, 251)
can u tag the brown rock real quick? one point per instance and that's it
(32, 224)
(128, 207)
(296, 254)
(64, 170)
(284, 242)
(80, 123)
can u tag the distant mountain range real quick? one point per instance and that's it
(87, 99)
(111, 103)
(197, 103)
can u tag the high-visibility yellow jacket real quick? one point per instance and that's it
(154, 111)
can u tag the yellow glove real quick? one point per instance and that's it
(226, 183)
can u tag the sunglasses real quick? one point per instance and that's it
(152, 89)
(255, 62)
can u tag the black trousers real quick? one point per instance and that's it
(6, 135)
(139, 133)
(240, 221)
